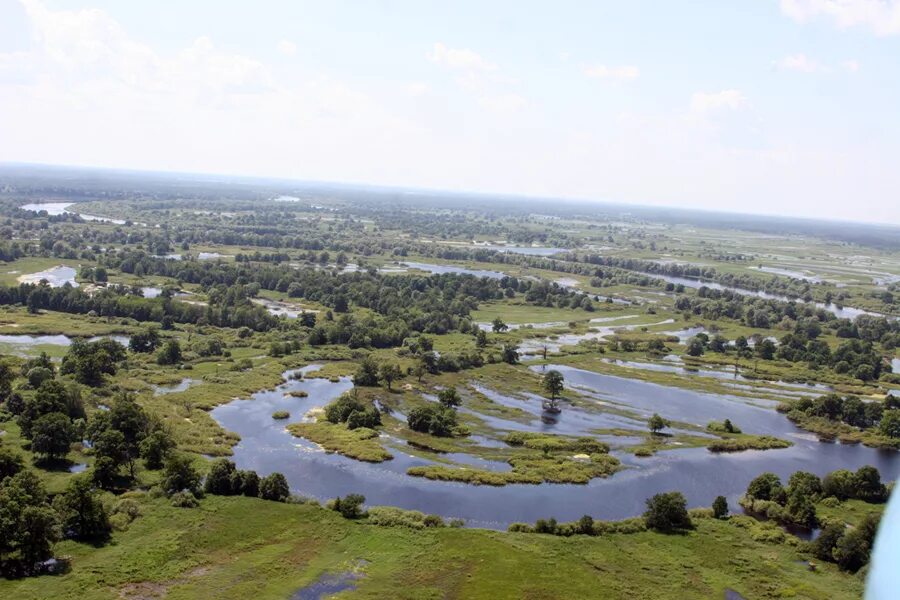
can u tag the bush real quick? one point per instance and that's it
(81, 511)
(851, 551)
(169, 354)
(823, 545)
(348, 409)
(839, 484)
(11, 462)
(766, 487)
(350, 506)
(720, 507)
(367, 373)
(155, 448)
(249, 483)
(667, 512)
(123, 513)
(39, 375)
(281, 414)
(390, 516)
(128, 507)
(222, 479)
(868, 486)
(184, 499)
(274, 487)
(433, 419)
(179, 475)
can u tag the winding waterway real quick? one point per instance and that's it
(842, 312)
(267, 447)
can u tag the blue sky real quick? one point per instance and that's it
(772, 106)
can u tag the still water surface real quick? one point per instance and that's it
(267, 447)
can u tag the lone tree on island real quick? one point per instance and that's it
(656, 424)
(552, 383)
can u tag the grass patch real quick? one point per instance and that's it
(234, 547)
(361, 444)
(533, 469)
(748, 442)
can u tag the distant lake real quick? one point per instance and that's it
(439, 269)
(530, 250)
(58, 208)
(846, 312)
(55, 276)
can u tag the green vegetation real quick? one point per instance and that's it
(533, 469)
(360, 443)
(191, 553)
(797, 504)
(151, 517)
(849, 419)
(748, 442)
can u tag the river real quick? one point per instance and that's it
(266, 447)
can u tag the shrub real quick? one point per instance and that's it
(348, 409)
(720, 507)
(766, 487)
(350, 506)
(868, 486)
(81, 511)
(179, 475)
(281, 414)
(39, 375)
(433, 419)
(184, 499)
(155, 448)
(667, 512)
(222, 479)
(839, 484)
(11, 462)
(823, 546)
(274, 487)
(249, 483)
(390, 516)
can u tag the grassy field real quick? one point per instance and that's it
(239, 547)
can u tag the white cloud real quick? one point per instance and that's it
(799, 62)
(882, 17)
(618, 73)
(804, 64)
(85, 48)
(109, 98)
(505, 103)
(456, 58)
(702, 102)
(416, 88)
(287, 47)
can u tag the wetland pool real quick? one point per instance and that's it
(266, 447)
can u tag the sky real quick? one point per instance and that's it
(785, 107)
